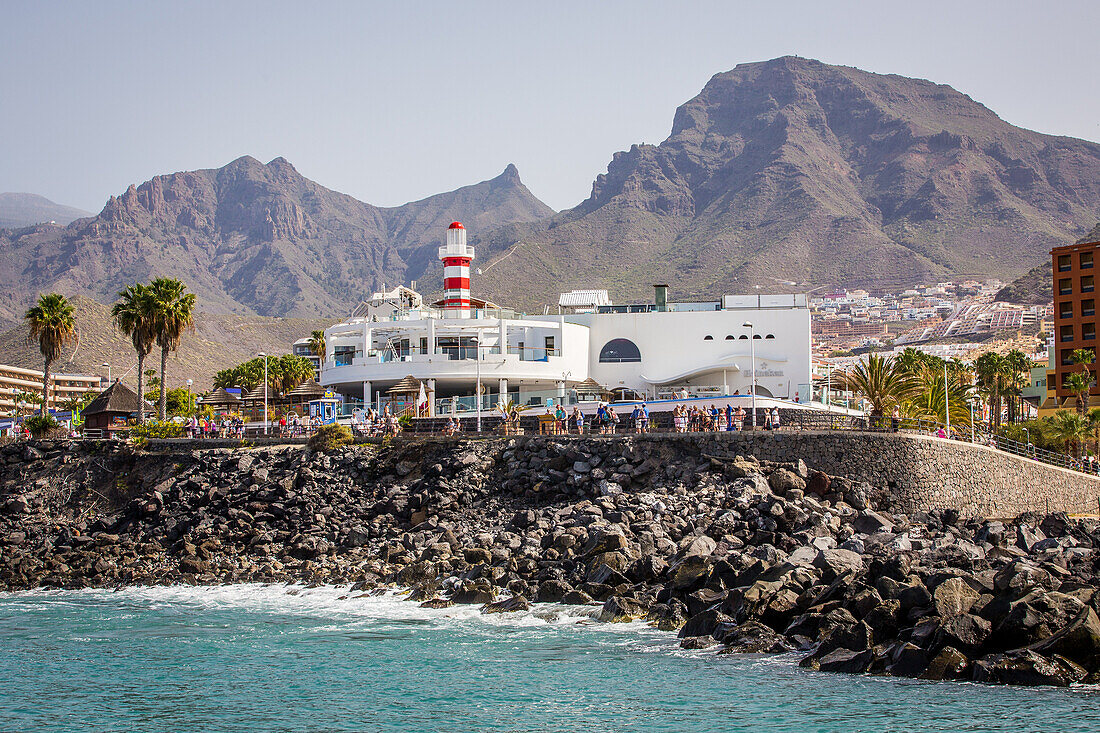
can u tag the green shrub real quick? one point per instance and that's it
(157, 429)
(330, 437)
(44, 427)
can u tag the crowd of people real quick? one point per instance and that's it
(697, 419)
(684, 419)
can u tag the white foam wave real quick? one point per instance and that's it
(340, 606)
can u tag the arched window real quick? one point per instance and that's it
(743, 336)
(770, 336)
(756, 336)
(708, 337)
(729, 338)
(619, 350)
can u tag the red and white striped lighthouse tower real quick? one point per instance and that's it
(456, 256)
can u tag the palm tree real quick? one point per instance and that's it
(1016, 368)
(1070, 428)
(1084, 357)
(1078, 383)
(911, 360)
(1093, 419)
(50, 323)
(174, 309)
(135, 316)
(317, 347)
(882, 382)
(928, 401)
(989, 368)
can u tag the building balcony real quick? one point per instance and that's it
(450, 364)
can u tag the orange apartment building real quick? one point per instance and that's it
(1075, 318)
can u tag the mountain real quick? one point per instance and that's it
(795, 170)
(218, 341)
(779, 175)
(252, 239)
(27, 209)
(1037, 284)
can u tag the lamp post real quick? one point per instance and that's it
(752, 362)
(108, 367)
(971, 403)
(946, 402)
(189, 383)
(265, 390)
(828, 383)
(477, 389)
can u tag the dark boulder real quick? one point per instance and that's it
(1026, 667)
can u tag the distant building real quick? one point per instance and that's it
(1074, 311)
(15, 381)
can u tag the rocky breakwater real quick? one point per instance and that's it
(734, 554)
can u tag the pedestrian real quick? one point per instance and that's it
(739, 419)
(577, 419)
(642, 424)
(767, 419)
(775, 418)
(729, 417)
(613, 419)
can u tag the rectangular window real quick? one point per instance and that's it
(1087, 284)
(1065, 334)
(1086, 260)
(1088, 307)
(1067, 357)
(550, 350)
(1065, 310)
(1065, 286)
(1088, 332)
(1064, 263)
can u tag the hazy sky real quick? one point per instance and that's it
(391, 102)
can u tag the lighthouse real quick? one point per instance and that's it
(456, 256)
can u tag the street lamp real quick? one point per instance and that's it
(477, 361)
(189, 383)
(108, 367)
(946, 403)
(752, 361)
(265, 390)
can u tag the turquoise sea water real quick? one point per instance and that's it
(272, 658)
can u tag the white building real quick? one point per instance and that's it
(637, 351)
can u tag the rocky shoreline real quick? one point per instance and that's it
(740, 555)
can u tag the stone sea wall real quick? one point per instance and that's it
(919, 472)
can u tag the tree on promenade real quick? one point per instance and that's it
(50, 323)
(1083, 358)
(1071, 429)
(135, 316)
(990, 370)
(317, 347)
(174, 310)
(882, 382)
(929, 401)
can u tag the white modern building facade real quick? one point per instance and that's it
(637, 351)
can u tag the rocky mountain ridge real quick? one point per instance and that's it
(251, 239)
(782, 175)
(792, 173)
